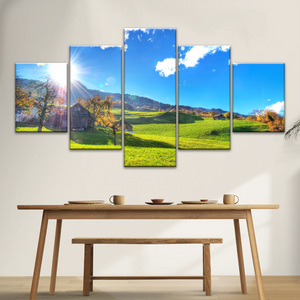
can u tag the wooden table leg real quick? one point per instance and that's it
(255, 258)
(55, 257)
(92, 268)
(39, 257)
(87, 270)
(206, 254)
(203, 269)
(240, 255)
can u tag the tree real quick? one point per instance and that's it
(48, 98)
(227, 115)
(23, 100)
(100, 110)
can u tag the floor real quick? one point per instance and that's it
(224, 288)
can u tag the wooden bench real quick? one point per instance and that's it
(88, 277)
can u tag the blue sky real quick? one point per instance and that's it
(39, 71)
(258, 86)
(97, 67)
(150, 65)
(204, 76)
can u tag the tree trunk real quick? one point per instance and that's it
(115, 137)
(40, 125)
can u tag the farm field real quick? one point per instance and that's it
(249, 126)
(196, 132)
(153, 142)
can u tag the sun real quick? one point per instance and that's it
(58, 73)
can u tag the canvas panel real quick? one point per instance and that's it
(258, 98)
(150, 97)
(204, 97)
(41, 97)
(95, 97)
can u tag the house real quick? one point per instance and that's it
(80, 117)
(219, 117)
(127, 126)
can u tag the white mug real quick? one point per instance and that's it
(230, 199)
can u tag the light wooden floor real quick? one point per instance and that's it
(223, 288)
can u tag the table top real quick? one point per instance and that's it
(145, 207)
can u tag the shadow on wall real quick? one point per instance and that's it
(286, 221)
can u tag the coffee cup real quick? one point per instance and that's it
(117, 199)
(230, 199)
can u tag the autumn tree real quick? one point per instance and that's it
(23, 100)
(48, 98)
(227, 115)
(100, 110)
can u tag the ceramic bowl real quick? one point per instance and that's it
(157, 200)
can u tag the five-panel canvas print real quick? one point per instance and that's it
(151, 63)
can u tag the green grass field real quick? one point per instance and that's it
(249, 126)
(153, 143)
(95, 138)
(196, 132)
(22, 127)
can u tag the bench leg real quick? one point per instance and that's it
(87, 270)
(207, 269)
(91, 268)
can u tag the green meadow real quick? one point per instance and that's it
(96, 138)
(196, 132)
(23, 127)
(153, 142)
(248, 126)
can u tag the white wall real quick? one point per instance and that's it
(40, 168)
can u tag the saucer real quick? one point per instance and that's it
(200, 202)
(161, 203)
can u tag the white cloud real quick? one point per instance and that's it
(106, 83)
(268, 99)
(193, 56)
(128, 30)
(126, 46)
(214, 70)
(109, 46)
(139, 38)
(277, 107)
(225, 48)
(150, 40)
(166, 67)
(182, 48)
(196, 53)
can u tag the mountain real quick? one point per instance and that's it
(78, 90)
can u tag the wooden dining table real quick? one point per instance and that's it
(150, 212)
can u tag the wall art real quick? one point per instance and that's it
(95, 97)
(41, 97)
(150, 97)
(258, 97)
(204, 97)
